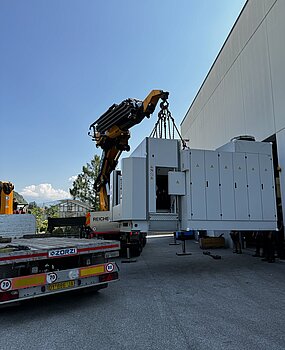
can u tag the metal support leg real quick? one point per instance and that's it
(183, 247)
(175, 241)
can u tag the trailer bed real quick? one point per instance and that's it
(32, 249)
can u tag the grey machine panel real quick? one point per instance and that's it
(213, 205)
(134, 188)
(176, 183)
(228, 190)
(227, 187)
(254, 188)
(240, 187)
(197, 185)
(267, 187)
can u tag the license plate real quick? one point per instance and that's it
(61, 285)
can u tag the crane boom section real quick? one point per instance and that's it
(111, 133)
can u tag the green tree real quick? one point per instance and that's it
(39, 214)
(52, 211)
(83, 187)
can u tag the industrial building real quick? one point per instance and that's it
(244, 91)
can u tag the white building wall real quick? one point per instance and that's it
(244, 91)
(276, 32)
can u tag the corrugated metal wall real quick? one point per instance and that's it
(244, 92)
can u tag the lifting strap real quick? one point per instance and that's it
(165, 126)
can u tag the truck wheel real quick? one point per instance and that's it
(136, 250)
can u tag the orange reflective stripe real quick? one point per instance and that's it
(92, 271)
(28, 281)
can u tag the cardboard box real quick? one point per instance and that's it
(212, 242)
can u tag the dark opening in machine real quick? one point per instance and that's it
(162, 197)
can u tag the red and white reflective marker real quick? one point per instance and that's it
(5, 285)
(51, 277)
(110, 267)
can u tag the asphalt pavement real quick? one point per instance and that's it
(162, 302)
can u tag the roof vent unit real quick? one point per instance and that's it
(243, 138)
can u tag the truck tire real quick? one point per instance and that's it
(136, 250)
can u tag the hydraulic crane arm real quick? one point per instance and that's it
(111, 133)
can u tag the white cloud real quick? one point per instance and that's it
(43, 192)
(72, 178)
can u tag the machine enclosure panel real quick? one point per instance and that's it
(243, 146)
(254, 187)
(228, 190)
(141, 150)
(198, 190)
(134, 188)
(184, 160)
(227, 186)
(176, 183)
(213, 206)
(240, 186)
(267, 188)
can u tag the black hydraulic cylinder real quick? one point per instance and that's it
(125, 115)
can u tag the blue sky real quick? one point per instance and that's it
(64, 62)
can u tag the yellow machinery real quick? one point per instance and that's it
(111, 133)
(6, 197)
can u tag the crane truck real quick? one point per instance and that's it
(34, 266)
(111, 133)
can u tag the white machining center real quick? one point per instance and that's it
(164, 188)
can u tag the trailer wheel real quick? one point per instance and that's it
(136, 250)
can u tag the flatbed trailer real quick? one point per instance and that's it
(36, 267)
